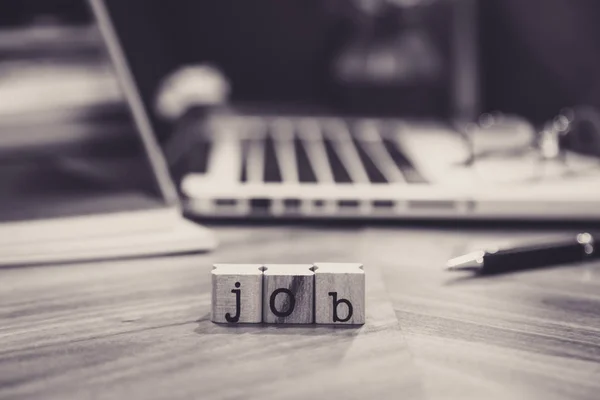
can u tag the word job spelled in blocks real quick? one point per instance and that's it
(323, 293)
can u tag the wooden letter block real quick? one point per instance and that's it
(288, 294)
(339, 293)
(237, 293)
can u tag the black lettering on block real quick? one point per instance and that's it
(237, 293)
(336, 303)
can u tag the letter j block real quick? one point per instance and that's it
(339, 293)
(237, 293)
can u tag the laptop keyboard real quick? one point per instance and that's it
(308, 150)
(306, 172)
(316, 167)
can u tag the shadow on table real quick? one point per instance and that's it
(206, 326)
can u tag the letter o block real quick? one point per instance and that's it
(288, 294)
(237, 293)
(339, 293)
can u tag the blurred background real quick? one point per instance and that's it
(536, 50)
(64, 117)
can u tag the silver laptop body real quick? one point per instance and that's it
(259, 162)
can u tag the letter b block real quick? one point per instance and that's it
(237, 293)
(339, 293)
(288, 294)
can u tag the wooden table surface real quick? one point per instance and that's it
(141, 329)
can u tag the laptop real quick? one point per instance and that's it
(82, 177)
(305, 109)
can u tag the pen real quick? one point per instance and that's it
(570, 250)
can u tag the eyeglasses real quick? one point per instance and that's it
(508, 148)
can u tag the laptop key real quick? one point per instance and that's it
(198, 157)
(305, 169)
(374, 174)
(340, 173)
(402, 162)
(271, 172)
(311, 136)
(282, 131)
(338, 131)
(244, 164)
(255, 156)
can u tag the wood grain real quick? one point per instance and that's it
(141, 329)
(288, 294)
(339, 293)
(237, 293)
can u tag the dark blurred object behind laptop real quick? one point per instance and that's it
(23, 12)
(537, 56)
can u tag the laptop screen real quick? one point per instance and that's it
(309, 54)
(68, 143)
